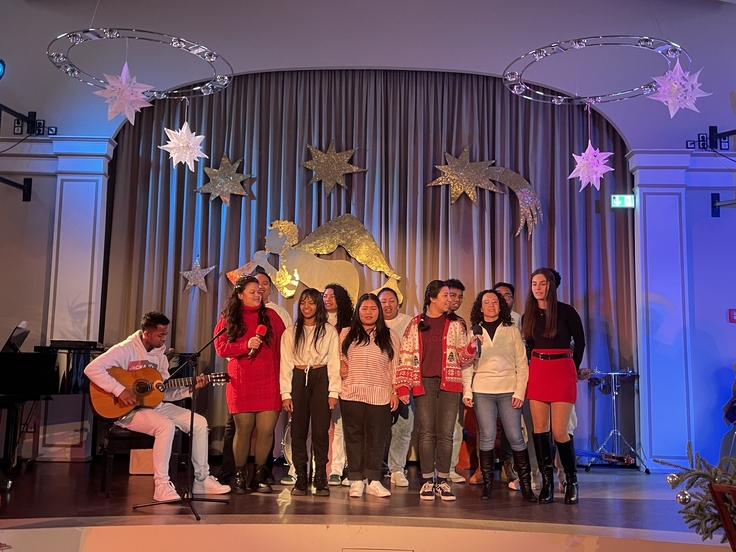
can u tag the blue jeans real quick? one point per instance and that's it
(435, 418)
(489, 407)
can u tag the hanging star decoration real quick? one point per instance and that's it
(224, 181)
(591, 166)
(184, 146)
(195, 277)
(464, 176)
(330, 166)
(124, 95)
(678, 89)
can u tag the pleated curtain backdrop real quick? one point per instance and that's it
(400, 123)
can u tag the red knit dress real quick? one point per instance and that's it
(254, 384)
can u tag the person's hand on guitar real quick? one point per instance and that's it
(126, 398)
(201, 382)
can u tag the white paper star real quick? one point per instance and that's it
(195, 277)
(184, 146)
(591, 166)
(678, 89)
(124, 95)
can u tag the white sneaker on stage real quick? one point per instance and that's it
(376, 489)
(456, 477)
(165, 492)
(209, 485)
(356, 488)
(399, 479)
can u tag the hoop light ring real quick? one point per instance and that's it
(59, 50)
(513, 75)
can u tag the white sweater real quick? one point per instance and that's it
(327, 353)
(131, 355)
(502, 366)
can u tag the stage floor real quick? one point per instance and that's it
(614, 503)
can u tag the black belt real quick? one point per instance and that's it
(550, 356)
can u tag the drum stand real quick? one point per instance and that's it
(615, 436)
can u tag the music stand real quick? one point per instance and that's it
(187, 498)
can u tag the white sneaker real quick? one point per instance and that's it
(456, 477)
(376, 489)
(345, 482)
(427, 492)
(210, 486)
(356, 489)
(399, 479)
(165, 492)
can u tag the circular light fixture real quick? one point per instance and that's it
(2, 68)
(513, 75)
(59, 51)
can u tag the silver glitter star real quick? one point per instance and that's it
(195, 277)
(330, 166)
(224, 181)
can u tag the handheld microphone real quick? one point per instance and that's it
(261, 331)
(477, 330)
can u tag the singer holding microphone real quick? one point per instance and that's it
(251, 342)
(500, 375)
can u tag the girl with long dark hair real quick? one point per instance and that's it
(434, 351)
(310, 385)
(550, 329)
(499, 384)
(369, 355)
(253, 396)
(340, 314)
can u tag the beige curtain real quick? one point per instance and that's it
(401, 123)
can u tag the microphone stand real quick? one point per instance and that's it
(187, 497)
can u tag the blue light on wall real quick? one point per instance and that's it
(2, 68)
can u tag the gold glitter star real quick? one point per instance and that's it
(330, 166)
(195, 277)
(463, 176)
(224, 181)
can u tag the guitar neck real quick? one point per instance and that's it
(182, 382)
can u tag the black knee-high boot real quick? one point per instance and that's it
(524, 469)
(543, 448)
(567, 457)
(486, 469)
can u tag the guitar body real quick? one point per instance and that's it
(141, 383)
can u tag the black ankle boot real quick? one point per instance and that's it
(320, 482)
(524, 468)
(300, 487)
(486, 470)
(240, 481)
(567, 457)
(258, 483)
(543, 448)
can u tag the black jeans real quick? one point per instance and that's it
(435, 419)
(309, 393)
(367, 428)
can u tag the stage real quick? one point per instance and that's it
(59, 507)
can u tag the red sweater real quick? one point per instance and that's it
(254, 383)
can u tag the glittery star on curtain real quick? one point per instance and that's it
(124, 95)
(330, 166)
(678, 89)
(195, 277)
(184, 146)
(591, 166)
(464, 176)
(224, 181)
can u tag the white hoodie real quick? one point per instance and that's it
(131, 355)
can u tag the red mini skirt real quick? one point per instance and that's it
(552, 380)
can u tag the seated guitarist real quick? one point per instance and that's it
(145, 348)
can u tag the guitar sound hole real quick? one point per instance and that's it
(142, 387)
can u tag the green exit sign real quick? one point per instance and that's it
(624, 201)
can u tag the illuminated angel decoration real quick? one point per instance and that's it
(298, 261)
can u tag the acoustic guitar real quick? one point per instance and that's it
(146, 385)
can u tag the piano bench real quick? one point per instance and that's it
(118, 440)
